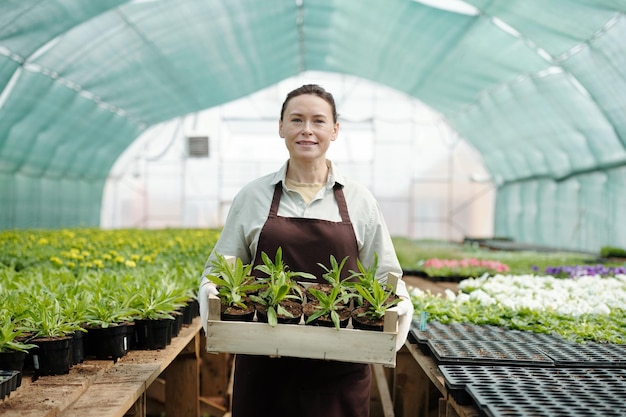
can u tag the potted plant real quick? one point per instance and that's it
(332, 276)
(13, 348)
(234, 286)
(52, 335)
(376, 301)
(328, 309)
(156, 303)
(107, 322)
(374, 298)
(75, 309)
(280, 297)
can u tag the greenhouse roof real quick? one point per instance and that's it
(538, 87)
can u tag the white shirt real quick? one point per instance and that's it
(250, 208)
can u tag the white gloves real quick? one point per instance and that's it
(405, 317)
(206, 288)
(405, 314)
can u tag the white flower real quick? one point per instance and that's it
(416, 292)
(482, 297)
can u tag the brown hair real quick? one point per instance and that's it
(314, 90)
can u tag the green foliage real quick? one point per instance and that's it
(279, 285)
(412, 253)
(277, 266)
(96, 275)
(365, 277)
(107, 310)
(584, 328)
(612, 252)
(10, 333)
(376, 296)
(159, 300)
(377, 299)
(47, 319)
(330, 304)
(332, 274)
(233, 280)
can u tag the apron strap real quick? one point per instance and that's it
(278, 190)
(337, 189)
(341, 202)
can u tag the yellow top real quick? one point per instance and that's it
(307, 191)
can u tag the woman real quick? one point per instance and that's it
(311, 211)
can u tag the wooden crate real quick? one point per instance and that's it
(303, 341)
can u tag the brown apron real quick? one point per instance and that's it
(285, 387)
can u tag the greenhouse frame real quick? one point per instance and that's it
(536, 87)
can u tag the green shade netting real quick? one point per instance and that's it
(536, 86)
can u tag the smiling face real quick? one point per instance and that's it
(308, 127)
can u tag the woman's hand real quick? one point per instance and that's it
(405, 317)
(206, 288)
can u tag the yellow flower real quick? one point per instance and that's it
(130, 264)
(56, 260)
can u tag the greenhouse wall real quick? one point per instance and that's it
(583, 212)
(32, 202)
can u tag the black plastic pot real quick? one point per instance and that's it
(153, 334)
(106, 342)
(12, 360)
(53, 356)
(78, 347)
(190, 311)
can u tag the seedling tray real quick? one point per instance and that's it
(453, 331)
(9, 381)
(467, 331)
(459, 377)
(485, 352)
(586, 354)
(556, 399)
(303, 341)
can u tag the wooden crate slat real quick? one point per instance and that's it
(302, 341)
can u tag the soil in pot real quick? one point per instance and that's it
(325, 288)
(236, 313)
(52, 356)
(365, 321)
(325, 320)
(292, 306)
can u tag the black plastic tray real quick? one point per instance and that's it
(459, 377)
(9, 381)
(529, 399)
(467, 331)
(586, 354)
(486, 352)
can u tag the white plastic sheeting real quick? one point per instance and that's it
(429, 182)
